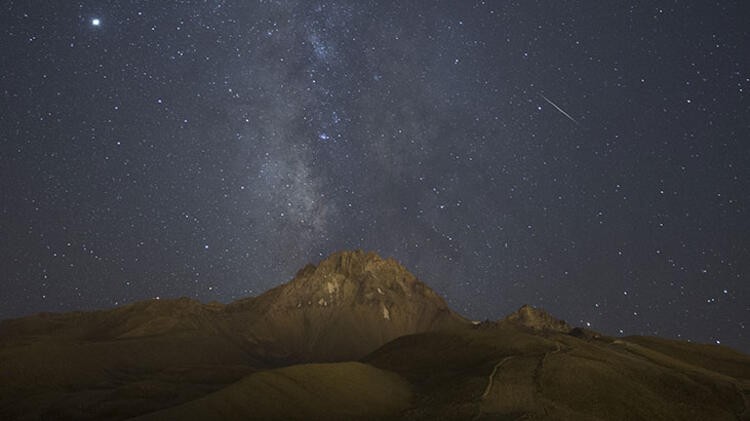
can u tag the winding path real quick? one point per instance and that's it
(492, 375)
(503, 361)
(499, 364)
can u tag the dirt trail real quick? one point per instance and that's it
(500, 363)
(492, 375)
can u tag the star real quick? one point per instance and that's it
(205, 133)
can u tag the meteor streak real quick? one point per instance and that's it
(559, 109)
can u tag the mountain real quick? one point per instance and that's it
(164, 352)
(342, 309)
(355, 337)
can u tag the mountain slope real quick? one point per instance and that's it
(510, 371)
(301, 392)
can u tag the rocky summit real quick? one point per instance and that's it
(346, 306)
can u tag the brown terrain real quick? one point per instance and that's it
(355, 337)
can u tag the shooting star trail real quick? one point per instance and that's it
(560, 109)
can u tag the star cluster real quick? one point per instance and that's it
(592, 158)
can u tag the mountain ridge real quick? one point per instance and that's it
(312, 318)
(180, 358)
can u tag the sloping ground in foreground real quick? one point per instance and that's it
(349, 390)
(509, 372)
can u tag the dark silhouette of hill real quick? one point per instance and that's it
(355, 337)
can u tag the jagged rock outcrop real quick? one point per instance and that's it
(537, 319)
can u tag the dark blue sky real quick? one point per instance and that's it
(592, 158)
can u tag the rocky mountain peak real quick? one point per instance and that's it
(357, 276)
(354, 264)
(347, 305)
(349, 263)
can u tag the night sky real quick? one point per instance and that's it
(592, 158)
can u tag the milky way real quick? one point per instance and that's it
(592, 159)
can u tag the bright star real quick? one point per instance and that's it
(96, 21)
